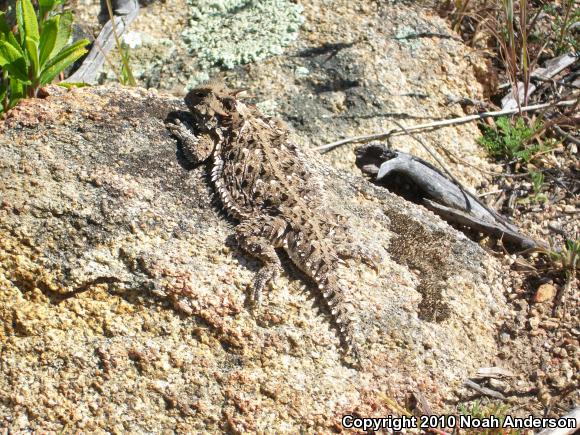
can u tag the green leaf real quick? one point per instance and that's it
(70, 85)
(66, 51)
(45, 7)
(3, 93)
(50, 4)
(7, 35)
(13, 61)
(20, 21)
(4, 27)
(30, 21)
(16, 92)
(64, 31)
(32, 49)
(62, 60)
(14, 42)
(48, 39)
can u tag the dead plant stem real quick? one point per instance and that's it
(432, 125)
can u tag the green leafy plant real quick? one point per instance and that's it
(538, 184)
(566, 259)
(537, 178)
(38, 51)
(562, 21)
(511, 139)
(562, 261)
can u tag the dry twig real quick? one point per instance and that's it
(442, 123)
(483, 390)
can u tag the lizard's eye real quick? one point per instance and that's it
(229, 103)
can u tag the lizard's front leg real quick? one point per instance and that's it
(196, 149)
(260, 237)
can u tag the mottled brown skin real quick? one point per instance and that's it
(263, 183)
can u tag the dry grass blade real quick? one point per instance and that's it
(124, 58)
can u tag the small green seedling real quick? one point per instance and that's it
(563, 261)
(511, 139)
(566, 259)
(38, 51)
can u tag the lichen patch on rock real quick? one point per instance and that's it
(226, 33)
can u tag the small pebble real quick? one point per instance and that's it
(550, 324)
(497, 384)
(504, 337)
(545, 292)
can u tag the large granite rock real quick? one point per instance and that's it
(123, 294)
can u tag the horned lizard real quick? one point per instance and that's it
(263, 183)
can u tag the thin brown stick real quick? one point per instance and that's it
(566, 136)
(433, 125)
(563, 291)
(483, 390)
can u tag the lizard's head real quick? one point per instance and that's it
(212, 100)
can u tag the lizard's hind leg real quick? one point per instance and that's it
(260, 237)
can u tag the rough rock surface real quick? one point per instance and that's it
(355, 68)
(122, 293)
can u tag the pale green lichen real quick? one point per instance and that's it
(268, 107)
(226, 33)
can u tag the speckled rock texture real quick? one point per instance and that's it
(354, 68)
(123, 294)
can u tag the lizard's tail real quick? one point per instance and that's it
(334, 297)
(313, 260)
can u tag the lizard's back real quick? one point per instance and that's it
(262, 170)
